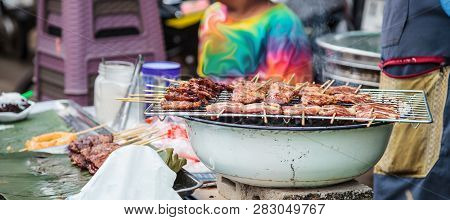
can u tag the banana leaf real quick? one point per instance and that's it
(33, 175)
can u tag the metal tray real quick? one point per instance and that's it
(77, 119)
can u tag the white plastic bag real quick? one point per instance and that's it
(131, 173)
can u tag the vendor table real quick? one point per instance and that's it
(228, 189)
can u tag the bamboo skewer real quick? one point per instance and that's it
(371, 121)
(264, 115)
(255, 78)
(332, 119)
(328, 86)
(155, 86)
(324, 84)
(147, 95)
(90, 129)
(264, 84)
(290, 79)
(303, 118)
(357, 89)
(155, 91)
(221, 112)
(301, 86)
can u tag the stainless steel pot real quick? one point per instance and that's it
(350, 57)
(288, 156)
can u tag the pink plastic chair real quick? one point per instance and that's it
(77, 53)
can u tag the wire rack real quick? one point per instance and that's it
(411, 105)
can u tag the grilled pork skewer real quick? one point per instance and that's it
(249, 92)
(262, 108)
(380, 111)
(317, 98)
(300, 109)
(225, 107)
(180, 105)
(337, 110)
(280, 93)
(352, 98)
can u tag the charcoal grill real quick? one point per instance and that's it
(283, 153)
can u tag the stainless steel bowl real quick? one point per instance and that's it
(288, 156)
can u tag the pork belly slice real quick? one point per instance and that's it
(352, 98)
(333, 90)
(337, 110)
(280, 93)
(298, 109)
(317, 99)
(259, 108)
(380, 111)
(249, 92)
(180, 105)
(225, 107)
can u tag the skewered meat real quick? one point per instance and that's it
(310, 88)
(337, 110)
(225, 107)
(180, 105)
(333, 90)
(89, 141)
(174, 96)
(377, 110)
(90, 152)
(96, 155)
(259, 108)
(353, 99)
(280, 93)
(299, 109)
(317, 99)
(249, 92)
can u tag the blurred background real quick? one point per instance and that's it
(35, 35)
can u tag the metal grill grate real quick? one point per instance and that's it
(411, 105)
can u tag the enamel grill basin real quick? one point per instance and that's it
(269, 156)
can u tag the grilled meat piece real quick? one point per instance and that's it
(226, 107)
(317, 99)
(352, 98)
(310, 88)
(380, 111)
(89, 141)
(338, 110)
(249, 92)
(174, 96)
(78, 160)
(299, 109)
(259, 108)
(280, 93)
(333, 90)
(180, 105)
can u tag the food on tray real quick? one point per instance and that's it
(13, 102)
(277, 98)
(225, 107)
(191, 94)
(300, 109)
(50, 140)
(247, 92)
(262, 108)
(90, 152)
(280, 93)
(376, 110)
(353, 98)
(317, 98)
(337, 110)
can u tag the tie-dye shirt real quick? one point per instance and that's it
(272, 43)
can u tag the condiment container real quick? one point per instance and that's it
(112, 82)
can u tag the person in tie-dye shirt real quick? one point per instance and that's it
(239, 39)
